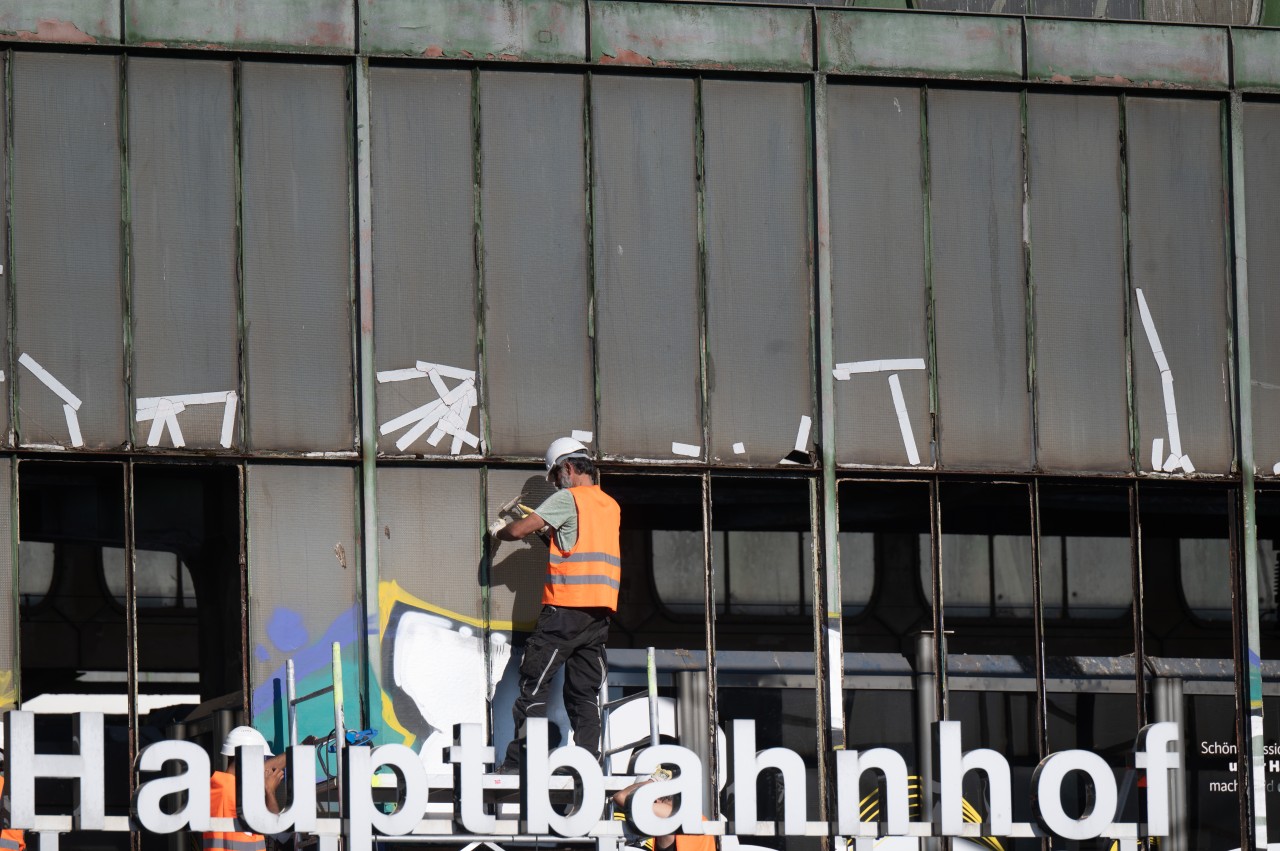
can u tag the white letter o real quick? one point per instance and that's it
(1048, 787)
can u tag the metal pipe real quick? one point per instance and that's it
(291, 694)
(339, 724)
(652, 669)
(1167, 697)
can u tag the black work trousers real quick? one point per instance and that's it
(574, 638)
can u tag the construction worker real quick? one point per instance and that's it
(222, 792)
(662, 807)
(579, 595)
(11, 840)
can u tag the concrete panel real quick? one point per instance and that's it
(689, 36)
(61, 21)
(919, 45)
(1149, 55)
(1256, 57)
(516, 30)
(322, 26)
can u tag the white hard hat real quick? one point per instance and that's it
(241, 736)
(562, 446)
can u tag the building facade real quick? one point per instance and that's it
(927, 352)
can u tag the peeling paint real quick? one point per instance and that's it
(48, 29)
(1128, 54)
(625, 57)
(499, 30)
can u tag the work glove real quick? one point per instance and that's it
(498, 525)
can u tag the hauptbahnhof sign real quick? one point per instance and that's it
(159, 804)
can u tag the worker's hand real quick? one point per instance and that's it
(498, 525)
(273, 773)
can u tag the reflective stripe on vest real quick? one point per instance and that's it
(221, 842)
(9, 844)
(589, 575)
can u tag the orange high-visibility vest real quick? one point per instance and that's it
(11, 840)
(222, 804)
(587, 576)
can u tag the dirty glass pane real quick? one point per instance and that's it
(297, 256)
(759, 365)
(518, 567)
(975, 151)
(1181, 369)
(1185, 566)
(303, 592)
(1008, 7)
(538, 356)
(431, 630)
(424, 271)
(1262, 177)
(893, 604)
(181, 121)
(646, 265)
(877, 276)
(66, 250)
(5, 288)
(1108, 9)
(1077, 260)
(767, 562)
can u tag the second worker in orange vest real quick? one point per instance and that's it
(579, 595)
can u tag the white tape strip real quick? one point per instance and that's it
(1171, 413)
(427, 419)
(802, 434)
(1149, 325)
(741, 449)
(49, 381)
(229, 419)
(581, 436)
(413, 416)
(162, 411)
(447, 371)
(436, 436)
(904, 421)
(686, 449)
(73, 425)
(1157, 453)
(175, 430)
(437, 382)
(455, 447)
(1185, 463)
(887, 365)
(399, 375)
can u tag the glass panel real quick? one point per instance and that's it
(435, 648)
(35, 570)
(1213, 799)
(66, 250)
(1262, 206)
(423, 253)
(1005, 722)
(979, 286)
(877, 274)
(162, 580)
(1267, 514)
(1184, 553)
(297, 256)
(884, 602)
(646, 265)
(538, 356)
(764, 566)
(758, 280)
(1078, 267)
(183, 261)
(1178, 262)
(74, 648)
(1107, 725)
(986, 573)
(301, 528)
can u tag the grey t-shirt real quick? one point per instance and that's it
(561, 513)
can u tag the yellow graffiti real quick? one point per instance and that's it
(389, 594)
(8, 695)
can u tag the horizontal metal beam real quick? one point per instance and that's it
(914, 45)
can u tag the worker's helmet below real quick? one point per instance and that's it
(564, 447)
(243, 736)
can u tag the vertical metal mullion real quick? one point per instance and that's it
(926, 192)
(829, 521)
(709, 629)
(242, 346)
(15, 598)
(477, 213)
(126, 250)
(939, 622)
(131, 629)
(1139, 615)
(1029, 281)
(700, 179)
(11, 319)
(1252, 663)
(1122, 107)
(1037, 614)
(245, 613)
(367, 544)
(588, 156)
